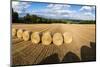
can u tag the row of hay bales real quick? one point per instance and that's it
(45, 37)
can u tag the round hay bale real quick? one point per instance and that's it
(67, 37)
(14, 32)
(26, 35)
(20, 33)
(35, 37)
(46, 38)
(58, 39)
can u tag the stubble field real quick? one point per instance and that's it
(27, 53)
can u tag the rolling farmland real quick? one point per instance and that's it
(71, 37)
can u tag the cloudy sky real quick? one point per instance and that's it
(55, 11)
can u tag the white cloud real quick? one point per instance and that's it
(57, 6)
(50, 5)
(49, 13)
(88, 13)
(20, 7)
(81, 16)
(64, 11)
(87, 8)
(14, 4)
(56, 9)
(67, 14)
(55, 13)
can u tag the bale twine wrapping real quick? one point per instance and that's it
(20, 33)
(14, 32)
(35, 37)
(46, 38)
(58, 39)
(67, 37)
(26, 35)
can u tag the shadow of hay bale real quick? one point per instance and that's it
(70, 57)
(52, 59)
(88, 54)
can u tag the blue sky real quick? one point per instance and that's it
(55, 11)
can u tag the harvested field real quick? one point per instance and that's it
(42, 50)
